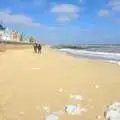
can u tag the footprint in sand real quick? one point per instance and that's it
(76, 97)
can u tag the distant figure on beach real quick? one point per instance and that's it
(39, 48)
(35, 47)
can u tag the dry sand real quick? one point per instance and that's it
(32, 85)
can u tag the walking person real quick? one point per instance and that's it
(39, 48)
(35, 47)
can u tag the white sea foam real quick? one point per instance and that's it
(114, 62)
(104, 55)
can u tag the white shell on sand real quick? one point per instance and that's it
(52, 117)
(21, 113)
(99, 117)
(113, 111)
(72, 109)
(60, 90)
(76, 97)
(35, 68)
(97, 86)
(46, 108)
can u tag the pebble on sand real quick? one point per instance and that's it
(76, 97)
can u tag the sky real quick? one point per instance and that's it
(64, 21)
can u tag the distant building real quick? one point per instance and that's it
(15, 36)
(1, 32)
(21, 36)
(26, 39)
(7, 34)
(1, 35)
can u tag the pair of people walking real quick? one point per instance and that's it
(37, 48)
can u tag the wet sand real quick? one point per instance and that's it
(32, 85)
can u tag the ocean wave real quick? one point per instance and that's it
(94, 54)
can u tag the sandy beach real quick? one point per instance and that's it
(32, 86)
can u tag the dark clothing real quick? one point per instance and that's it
(39, 48)
(35, 47)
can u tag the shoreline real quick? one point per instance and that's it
(90, 58)
(102, 55)
(111, 61)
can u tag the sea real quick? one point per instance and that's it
(97, 51)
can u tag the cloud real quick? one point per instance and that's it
(7, 16)
(103, 13)
(115, 5)
(67, 18)
(66, 12)
(65, 8)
